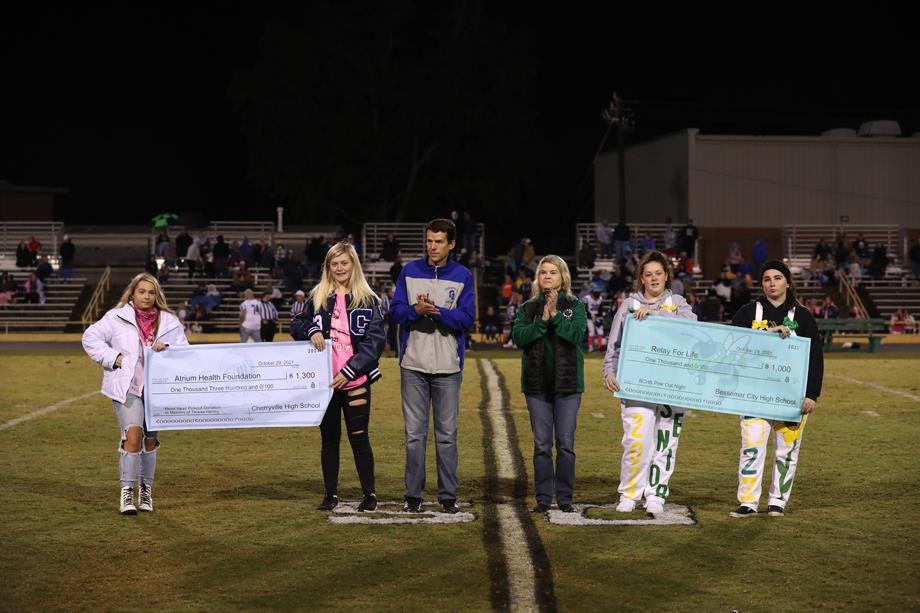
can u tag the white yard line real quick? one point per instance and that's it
(879, 387)
(521, 578)
(48, 409)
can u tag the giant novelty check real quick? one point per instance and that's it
(237, 385)
(715, 367)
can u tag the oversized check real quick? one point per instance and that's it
(237, 385)
(715, 367)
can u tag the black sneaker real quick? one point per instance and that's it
(743, 512)
(329, 502)
(775, 511)
(412, 505)
(567, 508)
(368, 503)
(449, 506)
(540, 508)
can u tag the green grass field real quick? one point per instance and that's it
(235, 526)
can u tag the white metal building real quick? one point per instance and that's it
(766, 181)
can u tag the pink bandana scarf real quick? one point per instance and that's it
(146, 320)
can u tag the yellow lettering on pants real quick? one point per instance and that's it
(635, 433)
(750, 426)
(748, 494)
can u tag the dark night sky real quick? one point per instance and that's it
(128, 106)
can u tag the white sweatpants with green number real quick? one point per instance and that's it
(651, 433)
(787, 442)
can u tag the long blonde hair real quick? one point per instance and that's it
(559, 263)
(128, 294)
(361, 292)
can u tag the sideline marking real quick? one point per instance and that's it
(870, 413)
(878, 387)
(48, 409)
(515, 549)
(347, 513)
(674, 515)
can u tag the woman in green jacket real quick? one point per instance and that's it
(550, 327)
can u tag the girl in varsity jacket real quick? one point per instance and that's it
(651, 432)
(777, 311)
(344, 311)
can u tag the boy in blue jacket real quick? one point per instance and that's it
(434, 307)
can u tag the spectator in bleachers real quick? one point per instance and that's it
(34, 290)
(316, 253)
(529, 256)
(898, 322)
(396, 268)
(491, 324)
(914, 255)
(759, 255)
(213, 299)
(622, 236)
(67, 252)
(183, 242)
(646, 244)
(677, 287)
(712, 308)
(463, 258)
(193, 257)
(390, 248)
(506, 290)
(162, 243)
(910, 324)
(878, 262)
(684, 266)
(44, 270)
(151, 267)
(254, 257)
(300, 302)
(291, 272)
(510, 315)
(670, 240)
(829, 310)
(245, 247)
(861, 249)
(586, 255)
(688, 236)
(250, 318)
(842, 251)
(823, 250)
(723, 286)
(386, 298)
(598, 283)
(603, 233)
(617, 282)
(242, 279)
(735, 258)
(268, 257)
(182, 313)
(467, 231)
(221, 255)
(269, 314)
(35, 246)
(23, 255)
(9, 289)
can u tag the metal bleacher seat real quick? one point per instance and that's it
(61, 297)
(411, 237)
(799, 241)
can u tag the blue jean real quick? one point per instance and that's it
(549, 413)
(441, 392)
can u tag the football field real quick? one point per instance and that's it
(235, 526)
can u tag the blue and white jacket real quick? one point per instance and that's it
(433, 344)
(365, 324)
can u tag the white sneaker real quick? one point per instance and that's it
(654, 507)
(145, 500)
(626, 505)
(126, 502)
